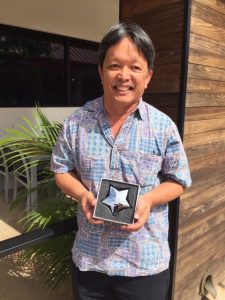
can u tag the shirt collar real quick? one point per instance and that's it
(95, 105)
(140, 110)
(98, 107)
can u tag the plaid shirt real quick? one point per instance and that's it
(147, 151)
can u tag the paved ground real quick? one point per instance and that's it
(9, 226)
(21, 282)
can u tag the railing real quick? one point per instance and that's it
(37, 236)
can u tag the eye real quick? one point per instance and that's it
(114, 66)
(136, 68)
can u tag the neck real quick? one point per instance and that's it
(119, 112)
(117, 117)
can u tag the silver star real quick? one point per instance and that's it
(116, 200)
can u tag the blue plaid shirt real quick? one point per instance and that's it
(147, 151)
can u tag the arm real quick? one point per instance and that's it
(176, 177)
(165, 192)
(71, 186)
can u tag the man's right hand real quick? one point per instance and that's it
(88, 202)
(71, 185)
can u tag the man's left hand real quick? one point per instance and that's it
(141, 215)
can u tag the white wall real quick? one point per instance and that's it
(85, 19)
(10, 116)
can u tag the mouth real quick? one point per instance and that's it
(121, 88)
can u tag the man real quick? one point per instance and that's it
(120, 137)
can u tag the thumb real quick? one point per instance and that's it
(137, 212)
(91, 199)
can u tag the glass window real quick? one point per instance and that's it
(40, 68)
(49, 70)
(84, 77)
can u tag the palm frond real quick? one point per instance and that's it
(32, 140)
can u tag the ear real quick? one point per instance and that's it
(148, 78)
(100, 72)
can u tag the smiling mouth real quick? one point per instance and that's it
(123, 88)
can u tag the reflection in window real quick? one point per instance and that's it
(84, 77)
(46, 69)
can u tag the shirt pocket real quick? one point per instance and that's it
(139, 168)
(150, 169)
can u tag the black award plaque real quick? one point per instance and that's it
(116, 201)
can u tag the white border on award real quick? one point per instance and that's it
(109, 220)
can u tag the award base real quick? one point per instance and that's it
(116, 201)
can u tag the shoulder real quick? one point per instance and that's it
(85, 113)
(158, 119)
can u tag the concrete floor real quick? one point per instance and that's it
(22, 281)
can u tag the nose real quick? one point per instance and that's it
(124, 74)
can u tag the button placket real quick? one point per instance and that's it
(114, 158)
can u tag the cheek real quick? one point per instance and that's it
(142, 84)
(106, 77)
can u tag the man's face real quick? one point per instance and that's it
(125, 75)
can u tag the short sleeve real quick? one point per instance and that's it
(62, 159)
(175, 164)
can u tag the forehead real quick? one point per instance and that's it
(125, 48)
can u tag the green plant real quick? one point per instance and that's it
(35, 140)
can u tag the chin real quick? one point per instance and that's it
(126, 101)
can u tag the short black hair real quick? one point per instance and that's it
(133, 31)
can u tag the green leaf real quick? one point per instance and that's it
(33, 140)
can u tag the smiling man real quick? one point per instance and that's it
(120, 137)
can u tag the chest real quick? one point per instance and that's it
(134, 156)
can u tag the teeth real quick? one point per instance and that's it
(123, 89)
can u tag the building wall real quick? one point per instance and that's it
(163, 21)
(201, 243)
(201, 223)
(84, 19)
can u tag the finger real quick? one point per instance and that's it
(87, 201)
(132, 227)
(138, 211)
(95, 221)
(91, 199)
(136, 216)
(89, 217)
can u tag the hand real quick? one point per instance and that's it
(141, 215)
(88, 203)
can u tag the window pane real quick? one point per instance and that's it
(85, 84)
(36, 68)
(31, 70)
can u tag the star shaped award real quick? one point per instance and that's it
(116, 201)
